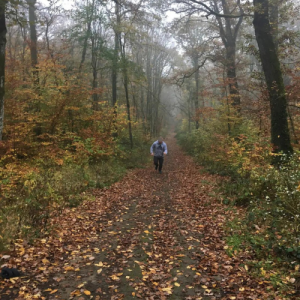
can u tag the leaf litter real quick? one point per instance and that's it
(149, 236)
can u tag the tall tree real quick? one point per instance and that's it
(192, 36)
(229, 32)
(33, 39)
(228, 29)
(124, 63)
(114, 78)
(89, 9)
(280, 135)
(274, 20)
(2, 63)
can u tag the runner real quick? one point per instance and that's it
(158, 149)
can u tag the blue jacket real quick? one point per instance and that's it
(159, 149)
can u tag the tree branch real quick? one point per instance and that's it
(180, 81)
(210, 11)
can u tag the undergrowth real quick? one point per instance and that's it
(35, 188)
(267, 197)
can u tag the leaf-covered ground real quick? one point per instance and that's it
(149, 236)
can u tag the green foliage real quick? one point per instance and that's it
(275, 205)
(270, 194)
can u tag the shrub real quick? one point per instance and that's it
(275, 204)
(270, 194)
(35, 187)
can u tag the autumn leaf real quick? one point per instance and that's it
(114, 277)
(168, 290)
(176, 253)
(22, 251)
(69, 268)
(45, 261)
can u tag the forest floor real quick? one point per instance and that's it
(148, 236)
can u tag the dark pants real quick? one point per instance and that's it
(158, 162)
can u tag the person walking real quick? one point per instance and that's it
(158, 150)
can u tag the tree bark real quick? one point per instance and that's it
(2, 64)
(116, 54)
(95, 86)
(280, 135)
(125, 75)
(229, 32)
(231, 76)
(196, 99)
(149, 71)
(33, 39)
(126, 83)
(95, 74)
(85, 44)
(90, 13)
(274, 20)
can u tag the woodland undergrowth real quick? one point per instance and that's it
(58, 142)
(36, 188)
(270, 225)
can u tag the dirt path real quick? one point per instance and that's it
(149, 236)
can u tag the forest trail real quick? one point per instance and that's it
(149, 236)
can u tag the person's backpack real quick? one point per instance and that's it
(159, 150)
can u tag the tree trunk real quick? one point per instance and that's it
(229, 32)
(47, 37)
(196, 99)
(143, 109)
(149, 71)
(127, 103)
(231, 76)
(126, 83)
(189, 111)
(274, 20)
(85, 44)
(33, 40)
(89, 19)
(95, 73)
(280, 136)
(2, 64)
(114, 75)
(95, 86)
